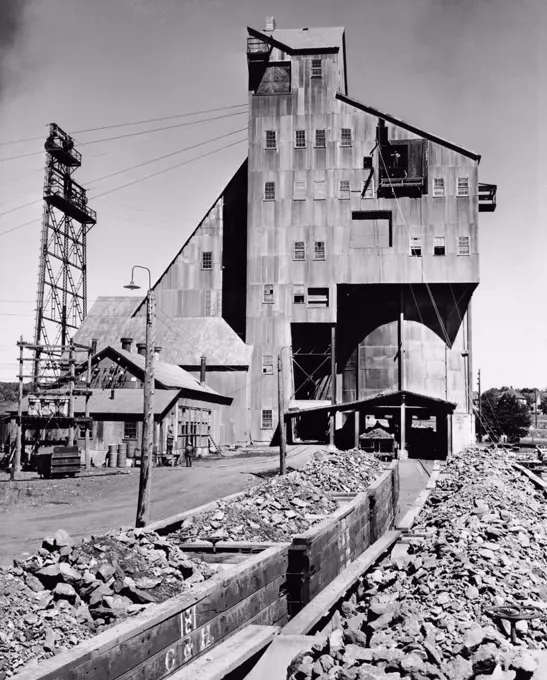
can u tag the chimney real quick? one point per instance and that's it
(202, 370)
(126, 344)
(141, 348)
(270, 24)
(94, 343)
(157, 352)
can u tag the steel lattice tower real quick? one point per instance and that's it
(62, 275)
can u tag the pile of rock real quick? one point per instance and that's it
(421, 613)
(67, 592)
(346, 472)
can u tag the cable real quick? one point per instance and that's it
(19, 226)
(135, 122)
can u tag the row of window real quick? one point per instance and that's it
(367, 189)
(439, 246)
(301, 138)
(299, 251)
(315, 297)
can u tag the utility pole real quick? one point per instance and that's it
(16, 464)
(536, 407)
(71, 396)
(281, 410)
(480, 404)
(87, 398)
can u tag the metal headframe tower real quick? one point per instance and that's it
(62, 275)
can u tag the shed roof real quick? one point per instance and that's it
(316, 39)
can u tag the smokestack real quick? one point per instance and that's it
(94, 343)
(141, 348)
(157, 351)
(270, 24)
(126, 344)
(203, 370)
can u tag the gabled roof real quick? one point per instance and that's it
(406, 126)
(301, 40)
(183, 340)
(166, 376)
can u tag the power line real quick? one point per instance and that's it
(135, 122)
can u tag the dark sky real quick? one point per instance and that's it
(468, 70)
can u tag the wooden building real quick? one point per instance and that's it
(347, 235)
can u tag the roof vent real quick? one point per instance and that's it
(270, 24)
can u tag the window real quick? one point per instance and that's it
(367, 162)
(268, 294)
(319, 250)
(271, 139)
(463, 245)
(82, 430)
(299, 251)
(298, 294)
(300, 139)
(416, 246)
(438, 186)
(319, 190)
(439, 247)
(316, 68)
(269, 191)
(320, 139)
(345, 139)
(129, 429)
(267, 364)
(344, 189)
(207, 260)
(299, 191)
(267, 419)
(318, 297)
(462, 188)
(367, 188)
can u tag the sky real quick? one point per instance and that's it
(471, 71)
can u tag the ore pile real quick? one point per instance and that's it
(68, 592)
(284, 506)
(421, 613)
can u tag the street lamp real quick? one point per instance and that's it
(143, 506)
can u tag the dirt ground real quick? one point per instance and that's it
(33, 508)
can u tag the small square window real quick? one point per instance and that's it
(439, 247)
(299, 251)
(320, 139)
(207, 260)
(319, 250)
(320, 190)
(344, 189)
(271, 139)
(367, 188)
(299, 191)
(300, 139)
(463, 245)
(267, 364)
(267, 419)
(318, 297)
(438, 187)
(82, 430)
(462, 188)
(367, 162)
(416, 246)
(316, 68)
(268, 294)
(345, 138)
(298, 294)
(130, 429)
(269, 191)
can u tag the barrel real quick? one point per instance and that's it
(122, 454)
(131, 446)
(112, 455)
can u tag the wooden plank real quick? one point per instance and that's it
(230, 655)
(540, 483)
(164, 622)
(273, 664)
(312, 613)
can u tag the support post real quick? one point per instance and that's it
(402, 444)
(203, 371)
(480, 404)
(16, 465)
(281, 412)
(87, 399)
(71, 396)
(357, 416)
(143, 507)
(332, 417)
(536, 407)
(469, 326)
(400, 340)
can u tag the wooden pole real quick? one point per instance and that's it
(143, 506)
(281, 411)
(71, 397)
(403, 428)
(357, 416)
(480, 404)
(203, 371)
(401, 366)
(332, 418)
(87, 398)
(16, 465)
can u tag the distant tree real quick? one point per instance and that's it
(503, 413)
(8, 391)
(543, 405)
(529, 393)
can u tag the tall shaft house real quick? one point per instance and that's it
(347, 244)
